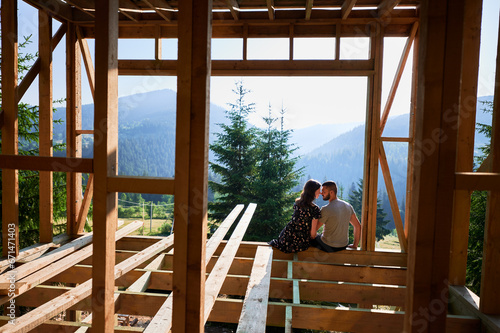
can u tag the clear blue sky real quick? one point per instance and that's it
(308, 100)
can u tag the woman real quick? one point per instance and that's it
(295, 237)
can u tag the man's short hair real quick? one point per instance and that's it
(330, 185)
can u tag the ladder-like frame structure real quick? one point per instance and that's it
(445, 41)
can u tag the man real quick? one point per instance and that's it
(335, 216)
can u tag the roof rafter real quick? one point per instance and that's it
(233, 7)
(385, 8)
(158, 11)
(270, 9)
(309, 6)
(347, 8)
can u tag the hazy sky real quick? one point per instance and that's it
(308, 100)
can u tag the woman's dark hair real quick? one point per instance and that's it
(307, 195)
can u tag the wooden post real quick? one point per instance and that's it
(372, 143)
(490, 273)
(45, 123)
(465, 146)
(105, 164)
(191, 164)
(10, 181)
(440, 61)
(73, 123)
(411, 135)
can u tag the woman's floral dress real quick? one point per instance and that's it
(296, 235)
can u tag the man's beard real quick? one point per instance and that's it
(326, 197)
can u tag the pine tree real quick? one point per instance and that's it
(235, 158)
(275, 177)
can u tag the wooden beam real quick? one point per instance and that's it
(465, 302)
(309, 6)
(372, 145)
(486, 165)
(158, 11)
(270, 9)
(1, 118)
(347, 8)
(45, 124)
(106, 163)
(56, 8)
(254, 312)
(411, 135)
(477, 181)
(397, 76)
(44, 163)
(490, 272)
(394, 139)
(162, 320)
(288, 309)
(35, 68)
(255, 67)
(430, 229)
(233, 8)
(131, 184)
(87, 60)
(386, 7)
(73, 122)
(10, 179)
(56, 267)
(403, 242)
(48, 310)
(80, 132)
(84, 208)
(191, 164)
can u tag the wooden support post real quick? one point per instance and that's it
(73, 123)
(372, 143)
(465, 145)
(45, 123)
(411, 137)
(191, 164)
(87, 60)
(10, 181)
(84, 209)
(288, 309)
(105, 164)
(490, 272)
(440, 62)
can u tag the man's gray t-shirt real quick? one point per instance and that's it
(335, 216)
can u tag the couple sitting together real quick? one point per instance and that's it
(307, 218)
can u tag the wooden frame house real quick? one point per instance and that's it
(425, 281)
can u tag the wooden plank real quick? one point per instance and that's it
(35, 68)
(490, 272)
(87, 60)
(1, 119)
(44, 163)
(45, 124)
(73, 122)
(309, 6)
(255, 67)
(220, 270)
(51, 270)
(131, 184)
(46, 259)
(288, 311)
(347, 8)
(80, 132)
(430, 229)
(397, 76)
(48, 310)
(477, 181)
(10, 180)
(84, 208)
(191, 164)
(29, 251)
(106, 163)
(403, 242)
(162, 320)
(486, 165)
(465, 302)
(254, 312)
(159, 12)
